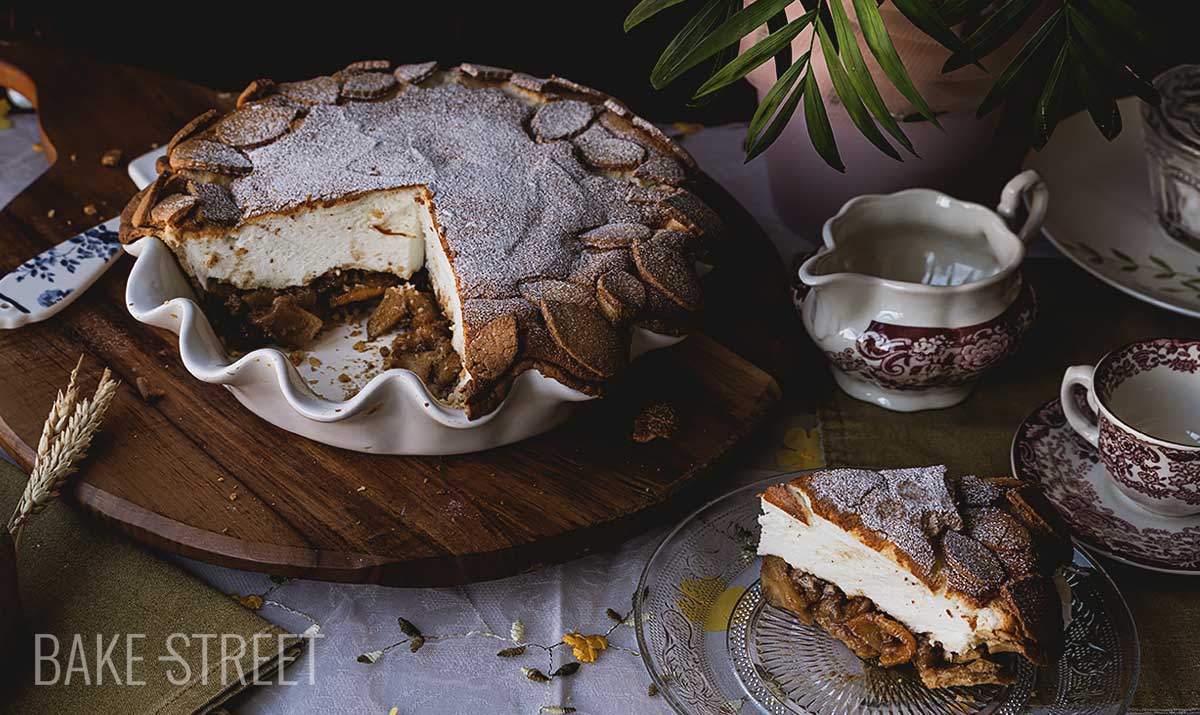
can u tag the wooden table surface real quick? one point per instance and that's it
(164, 473)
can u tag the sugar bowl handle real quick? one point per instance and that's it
(1081, 423)
(1027, 185)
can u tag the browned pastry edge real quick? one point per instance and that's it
(1027, 596)
(576, 352)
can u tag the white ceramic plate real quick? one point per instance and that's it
(388, 412)
(1102, 217)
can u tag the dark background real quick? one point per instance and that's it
(225, 46)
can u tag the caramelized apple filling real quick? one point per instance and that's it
(293, 317)
(872, 635)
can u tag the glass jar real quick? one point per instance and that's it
(1172, 132)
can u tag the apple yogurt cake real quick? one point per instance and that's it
(954, 576)
(497, 222)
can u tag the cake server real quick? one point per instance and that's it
(50, 281)
(53, 279)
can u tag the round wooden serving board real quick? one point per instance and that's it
(196, 474)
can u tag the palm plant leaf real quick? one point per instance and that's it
(881, 46)
(822, 9)
(819, 130)
(926, 17)
(783, 58)
(1092, 45)
(956, 11)
(761, 135)
(994, 31)
(1027, 60)
(723, 57)
(1098, 45)
(645, 10)
(1142, 30)
(850, 100)
(728, 33)
(1049, 106)
(860, 77)
(689, 36)
(1097, 98)
(763, 50)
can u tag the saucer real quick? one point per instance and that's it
(1047, 452)
(714, 646)
(1102, 217)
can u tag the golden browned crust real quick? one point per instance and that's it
(990, 543)
(638, 271)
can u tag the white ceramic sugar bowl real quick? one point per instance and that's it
(915, 295)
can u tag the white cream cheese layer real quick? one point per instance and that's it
(441, 278)
(382, 231)
(830, 553)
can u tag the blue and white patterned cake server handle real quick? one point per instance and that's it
(53, 279)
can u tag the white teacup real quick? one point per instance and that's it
(1146, 399)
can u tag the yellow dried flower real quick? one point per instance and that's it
(585, 648)
(252, 601)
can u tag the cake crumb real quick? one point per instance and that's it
(50, 213)
(149, 393)
(89, 209)
(657, 420)
(314, 363)
(296, 357)
(343, 377)
(111, 158)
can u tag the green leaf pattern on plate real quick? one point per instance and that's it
(1172, 279)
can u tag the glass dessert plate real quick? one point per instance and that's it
(713, 645)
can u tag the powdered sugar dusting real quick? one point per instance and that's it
(562, 119)
(906, 507)
(507, 204)
(601, 149)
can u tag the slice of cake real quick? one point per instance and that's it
(953, 576)
(545, 221)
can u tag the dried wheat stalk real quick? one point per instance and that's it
(65, 439)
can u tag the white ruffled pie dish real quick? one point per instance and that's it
(393, 413)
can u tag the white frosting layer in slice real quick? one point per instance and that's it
(441, 278)
(830, 553)
(382, 231)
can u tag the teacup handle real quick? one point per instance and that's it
(1080, 375)
(1030, 183)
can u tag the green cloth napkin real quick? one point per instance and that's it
(77, 577)
(1079, 320)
